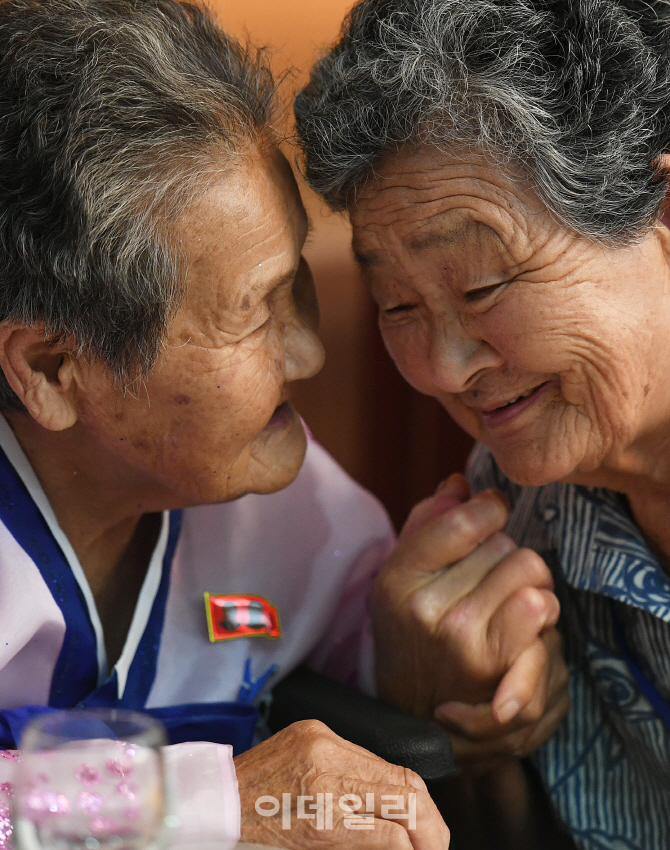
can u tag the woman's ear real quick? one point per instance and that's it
(41, 373)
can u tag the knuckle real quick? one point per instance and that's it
(311, 735)
(462, 523)
(459, 628)
(394, 836)
(494, 642)
(313, 728)
(533, 600)
(535, 569)
(413, 780)
(424, 607)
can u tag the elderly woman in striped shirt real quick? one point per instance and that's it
(505, 166)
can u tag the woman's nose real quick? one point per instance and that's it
(457, 357)
(303, 350)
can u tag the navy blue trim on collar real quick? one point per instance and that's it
(76, 670)
(143, 666)
(142, 672)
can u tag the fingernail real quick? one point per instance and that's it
(456, 486)
(447, 711)
(503, 544)
(487, 507)
(443, 502)
(507, 711)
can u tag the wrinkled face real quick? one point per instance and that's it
(213, 420)
(550, 349)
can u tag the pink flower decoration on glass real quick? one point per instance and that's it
(87, 775)
(102, 826)
(128, 790)
(10, 755)
(119, 767)
(7, 789)
(48, 802)
(5, 827)
(89, 802)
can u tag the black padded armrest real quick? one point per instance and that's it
(383, 729)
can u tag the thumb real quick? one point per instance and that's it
(451, 492)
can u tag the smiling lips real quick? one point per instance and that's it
(502, 414)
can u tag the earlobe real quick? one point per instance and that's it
(41, 374)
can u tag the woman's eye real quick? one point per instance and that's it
(474, 295)
(399, 310)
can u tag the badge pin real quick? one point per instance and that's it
(237, 616)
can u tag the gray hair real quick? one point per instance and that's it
(574, 94)
(113, 115)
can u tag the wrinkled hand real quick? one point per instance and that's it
(464, 627)
(307, 759)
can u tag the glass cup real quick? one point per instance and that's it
(91, 779)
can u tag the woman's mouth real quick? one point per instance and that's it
(505, 412)
(282, 416)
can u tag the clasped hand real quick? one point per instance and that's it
(465, 627)
(465, 634)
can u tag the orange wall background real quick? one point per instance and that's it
(295, 29)
(395, 442)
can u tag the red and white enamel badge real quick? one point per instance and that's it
(240, 616)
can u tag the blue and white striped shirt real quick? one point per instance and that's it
(607, 767)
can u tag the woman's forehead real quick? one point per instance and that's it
(246, 211)
(243, 236)
(429, 198)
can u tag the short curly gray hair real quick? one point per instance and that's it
(113, 115)
(574, 94)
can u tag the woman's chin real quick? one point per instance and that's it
(280, 455)
(531, 470)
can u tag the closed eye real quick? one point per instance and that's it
(401, 308)
(474, 295)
